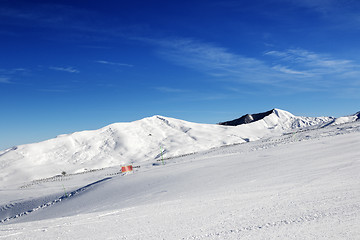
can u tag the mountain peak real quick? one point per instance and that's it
(249, 118)
(358, 115)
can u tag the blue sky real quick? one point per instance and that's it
(67, 66)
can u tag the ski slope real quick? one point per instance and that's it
(135, 142)
(296, 185)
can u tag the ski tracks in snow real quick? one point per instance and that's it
(312, 217)
(55, 201)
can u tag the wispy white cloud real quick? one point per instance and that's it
(171, 90)
(5, 80)
(320, 72)
(342, 14)
(65, 69)
(12, 71)
(297, 70)
(315, 64)
(7, 75)
(311, 58)
(224, 65)
(215, 61)
(115, 63)
(276, 53)
(287, 70)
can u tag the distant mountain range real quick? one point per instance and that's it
(145, 140)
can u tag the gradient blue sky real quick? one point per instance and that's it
(67, 66)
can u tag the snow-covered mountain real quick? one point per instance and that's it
(292, 186)
(138, 141)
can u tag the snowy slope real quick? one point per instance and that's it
(135, 142)
(303, 185)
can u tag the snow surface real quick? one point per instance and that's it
(135, 142)
(301, 184)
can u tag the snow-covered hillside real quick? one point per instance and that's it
(134, 142)
(298, 185)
